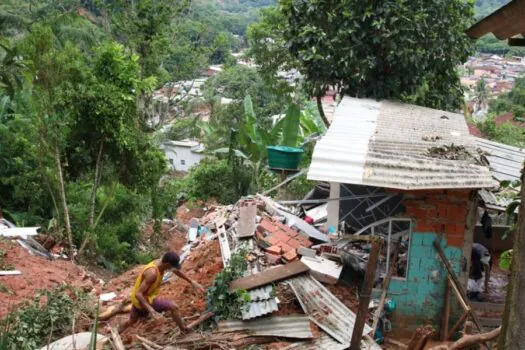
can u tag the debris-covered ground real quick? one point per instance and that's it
(36, 274)
(286, 261)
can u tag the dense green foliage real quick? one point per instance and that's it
(223, 303)
(393, 49)
(48, 318)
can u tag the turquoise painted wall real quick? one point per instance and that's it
(420, 297)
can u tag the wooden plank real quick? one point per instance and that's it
(458, 324)
(456, 284)
(364, 296)
(271, 275)
(446, 313)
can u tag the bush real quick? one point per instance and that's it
(117, 233)
(221, 302)
(35, 324)
(213, 178)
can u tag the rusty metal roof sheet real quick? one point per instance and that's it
(324, 309)
(388, 144)
(288, 326)
(503, 23)
(505, 161)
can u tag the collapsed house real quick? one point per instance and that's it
(399, 170)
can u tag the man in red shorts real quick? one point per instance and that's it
(144, 295)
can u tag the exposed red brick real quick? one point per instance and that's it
(455, 241)
(290, 256)
(285, 247)
(294, 243)
(271, 240)
(267, 226)
(274, 249)
(442, 210)
(273, 259)
(286, 229)
(423, 226)
(281, 236)
(305, 242)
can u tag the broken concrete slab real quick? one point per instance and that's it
(247, 219)
(268, 276)
(322, 269)
(307, 252)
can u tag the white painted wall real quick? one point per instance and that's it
(181, 158)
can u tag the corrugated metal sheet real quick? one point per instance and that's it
(386, 144)
(505, 161)
(326, 342)
(328, 312)
(262, 303)
(503, 23)
(289, 327)
(494, 201)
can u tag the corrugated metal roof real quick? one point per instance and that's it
(326, 342)
(387, 144)
(325, 310)
(495, 200)
(262, 303)
(503, 23)
(289, 327)
(505, 161)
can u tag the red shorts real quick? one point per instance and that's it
(158, 304)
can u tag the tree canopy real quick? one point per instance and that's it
(392, 49)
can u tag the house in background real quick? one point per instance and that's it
(411, 172)
(182, 155)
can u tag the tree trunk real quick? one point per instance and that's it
(98, 172)
(62, 191)
(512, 335)
(321, 111)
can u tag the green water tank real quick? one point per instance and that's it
(284, 157)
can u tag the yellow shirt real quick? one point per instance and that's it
(152, 291)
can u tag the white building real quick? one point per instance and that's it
(182, 155)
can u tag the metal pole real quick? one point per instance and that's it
(364, 296)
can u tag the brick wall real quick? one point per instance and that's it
(437, 214)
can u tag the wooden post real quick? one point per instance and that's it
(364, 296)
(446, 313)
(386, 284)
(456, 284)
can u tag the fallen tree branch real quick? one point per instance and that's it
(396, 343)
(469, 340)
(123, 307)
(420, 338)
(117, 341)
(149, 343)
(204, 317)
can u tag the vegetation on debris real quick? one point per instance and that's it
(50, 316)
(223, 303)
